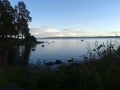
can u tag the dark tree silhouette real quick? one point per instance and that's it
(23, 19)
(14, 22)
(8, 19)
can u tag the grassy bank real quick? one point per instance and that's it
(102, 74)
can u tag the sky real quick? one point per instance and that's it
(53, 18)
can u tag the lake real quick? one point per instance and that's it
(63, 49)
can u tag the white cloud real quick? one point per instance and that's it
(116, 33)
(44, 31)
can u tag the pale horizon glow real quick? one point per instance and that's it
(47, 32)
(73, 17)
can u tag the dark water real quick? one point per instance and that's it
(14, 56)
(51, 50)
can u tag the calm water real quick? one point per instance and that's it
(62, 49)
(53, 49)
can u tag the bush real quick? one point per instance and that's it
(32, 38)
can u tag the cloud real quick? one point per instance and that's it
(44, 31)
(116, 33)
(48, 32)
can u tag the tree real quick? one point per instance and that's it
(23, 19)
(6, 19)
(14, 22)
(1, 21)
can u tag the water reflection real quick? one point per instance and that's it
(64, 50)
(14, 55)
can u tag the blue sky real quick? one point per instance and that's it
(73, 17)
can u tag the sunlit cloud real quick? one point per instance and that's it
(44, 31)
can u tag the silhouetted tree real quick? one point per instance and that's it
(23, 19)
(7, 20)
(1, 20)
(14, 22)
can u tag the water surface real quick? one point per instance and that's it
(50, 51)
(63, 49)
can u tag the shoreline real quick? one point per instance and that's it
(19, 42)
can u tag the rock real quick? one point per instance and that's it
(58, 62)
(70, 60)
(42, 45)
(33, 49)
(49, 63)
(82, 40)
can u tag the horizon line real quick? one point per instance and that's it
(80, 37)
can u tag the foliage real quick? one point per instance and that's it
(14, 21)
(104, 49)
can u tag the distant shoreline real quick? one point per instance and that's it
(79, 37)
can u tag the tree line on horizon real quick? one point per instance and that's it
(14, 21)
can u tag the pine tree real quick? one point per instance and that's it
(23, 19)
(6, 19)
(14, 22)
